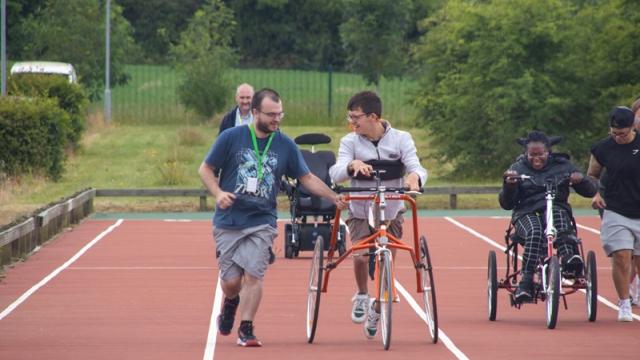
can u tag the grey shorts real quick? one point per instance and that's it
(618, 232)
(243, 250)
(360, 229)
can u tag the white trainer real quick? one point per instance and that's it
(359, 309)
(371, 325)
(624, 313)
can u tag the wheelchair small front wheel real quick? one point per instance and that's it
(288, 241)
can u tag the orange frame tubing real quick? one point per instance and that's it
(371, 240)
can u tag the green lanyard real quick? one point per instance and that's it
(257, 151)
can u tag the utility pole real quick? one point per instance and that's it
(3, 61)
(107, 64)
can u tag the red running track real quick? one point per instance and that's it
(146, 290)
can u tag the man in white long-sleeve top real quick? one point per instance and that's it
(373, 138)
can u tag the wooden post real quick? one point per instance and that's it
(453, 201)
(203, 203)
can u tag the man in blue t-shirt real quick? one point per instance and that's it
(252, 159)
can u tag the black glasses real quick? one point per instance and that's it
(274, 115)
(355, 117)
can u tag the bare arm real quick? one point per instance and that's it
(319, 188)
(595, 171)
(211, 182)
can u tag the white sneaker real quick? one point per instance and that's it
(624, 313)
(359, 309)
(371, 326)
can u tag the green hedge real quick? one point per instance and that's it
(70, 97)
(33, 135)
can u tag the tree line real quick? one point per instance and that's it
(487, 70)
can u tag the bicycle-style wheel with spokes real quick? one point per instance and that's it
(492, 285)
(552, 291)
(385, 284)
(428, 289)
(592, 286)
(315, 288)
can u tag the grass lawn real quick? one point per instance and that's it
(143, 156)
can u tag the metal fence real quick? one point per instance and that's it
(310, 97)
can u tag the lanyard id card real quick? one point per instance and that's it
(252, 185)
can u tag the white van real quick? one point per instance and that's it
(45, 67)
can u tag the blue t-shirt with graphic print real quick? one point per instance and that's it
(233, 153)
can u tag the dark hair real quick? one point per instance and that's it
(256, 102)
(621, 117)
(368, 101)
(538, 136)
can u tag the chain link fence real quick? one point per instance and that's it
(310, 97)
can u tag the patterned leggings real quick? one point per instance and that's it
(531, 228)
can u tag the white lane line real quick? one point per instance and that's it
(602, 299)
(142, 268)
(209, 351)
(475, 233)
(589, 229)
(55, 272)
(441, 335)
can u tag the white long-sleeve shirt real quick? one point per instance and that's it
(393, 145)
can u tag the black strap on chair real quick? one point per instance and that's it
(393, 169)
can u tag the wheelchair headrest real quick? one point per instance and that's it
(394, 169)
(312, 139)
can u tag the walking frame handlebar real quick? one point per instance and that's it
(379, 194)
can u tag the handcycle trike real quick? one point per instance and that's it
(549, 282)
(379, 245)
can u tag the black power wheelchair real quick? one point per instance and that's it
(311, 216)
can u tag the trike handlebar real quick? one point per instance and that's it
(550, 181)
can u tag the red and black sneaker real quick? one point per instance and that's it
(227, 315)
(246, 336)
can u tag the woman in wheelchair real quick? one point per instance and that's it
(527, 200)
